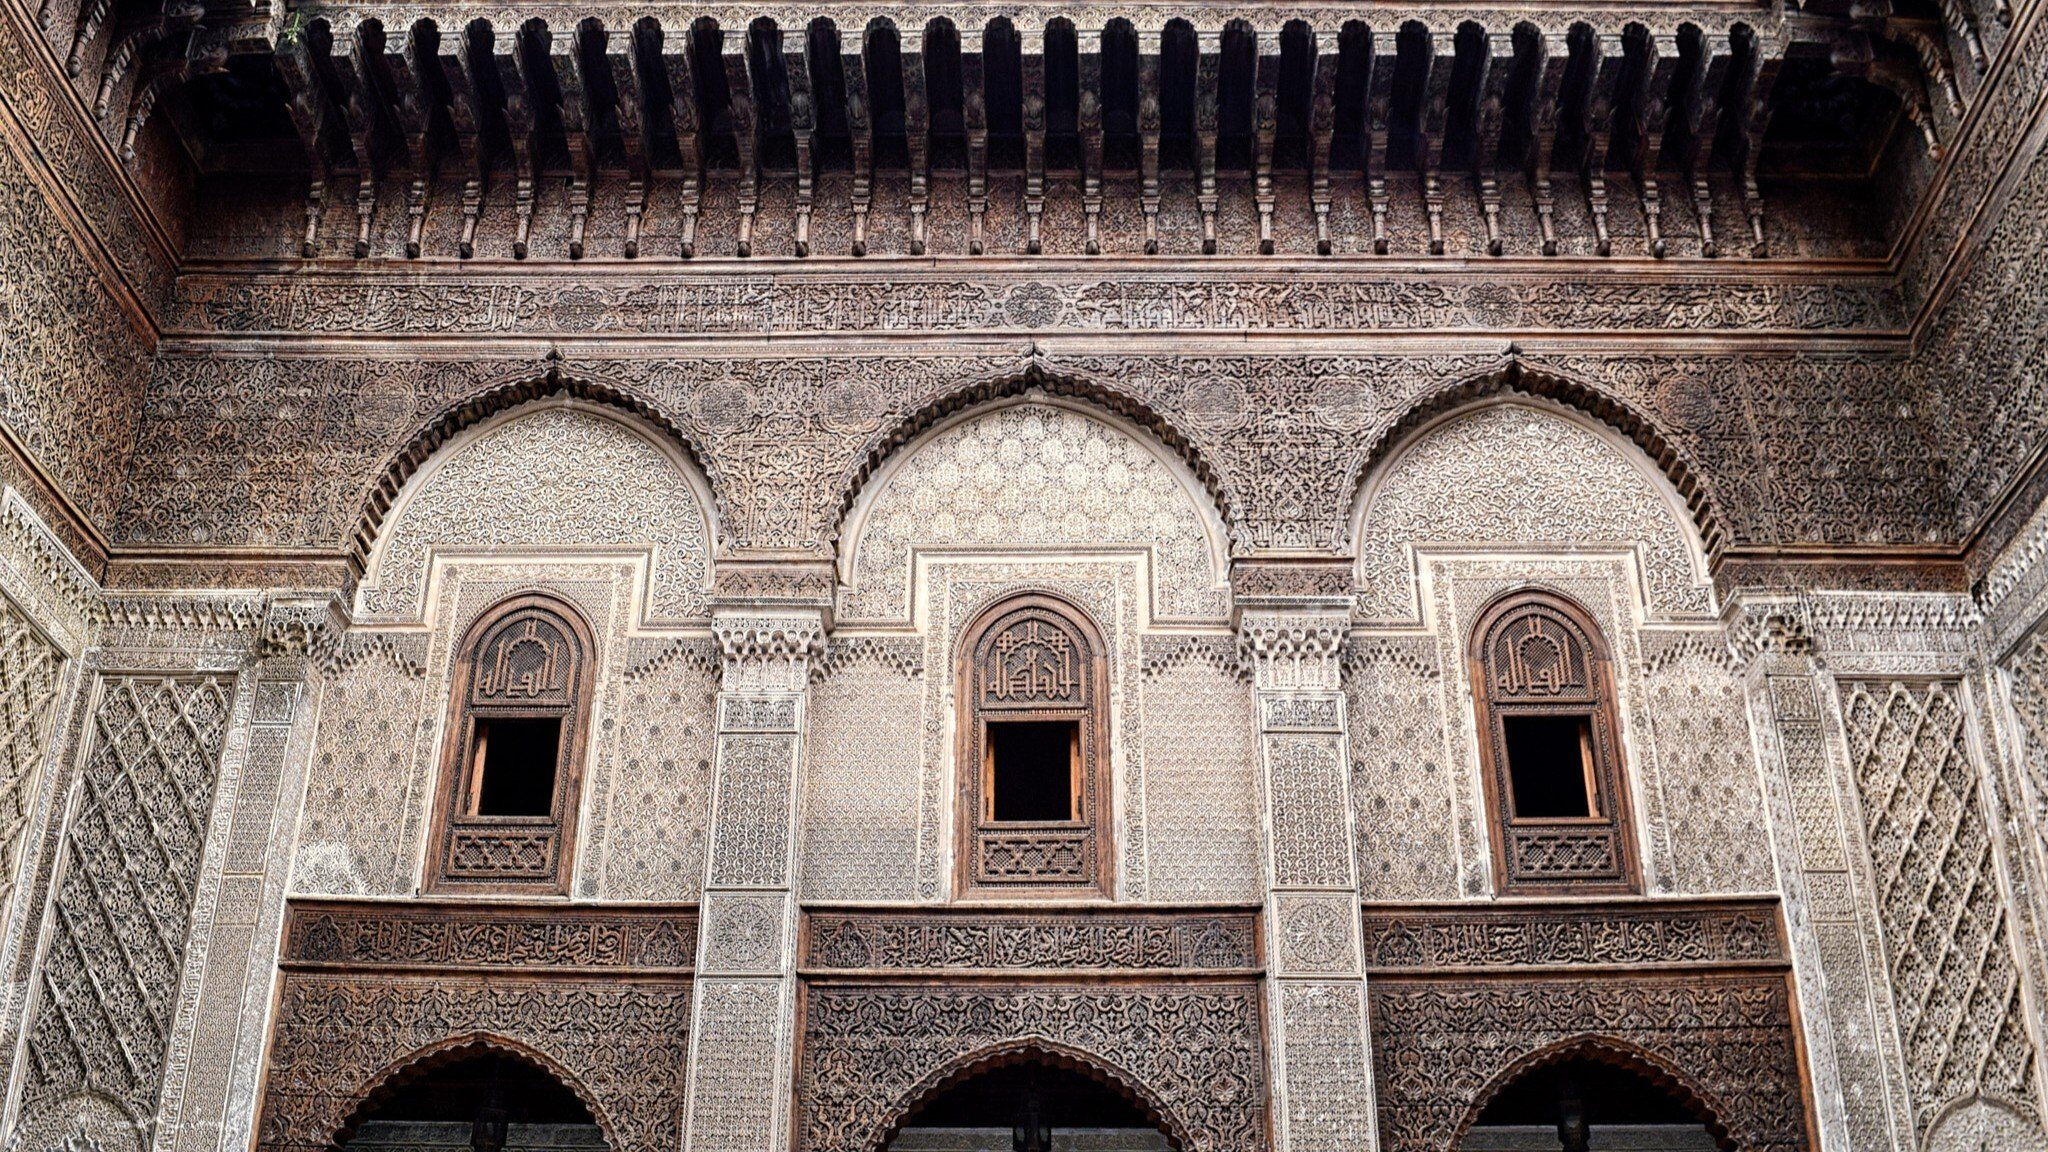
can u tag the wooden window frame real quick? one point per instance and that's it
(1520, 843)
(981, 839)
(459, 834)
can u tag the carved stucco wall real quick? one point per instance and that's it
(1203, 801)
(1013, 497)
(1402, 770)
(1450, 515)
(552, 477)
(517, 506)
(1514, 475)
(1034, 476)
(73, 365)
(128, 878)
(382, 727)
(1956, 986)
(862, 761)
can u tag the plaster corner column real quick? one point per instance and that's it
(1321, 1039)
(223, 1019)
(1838, 1010)
(743, 1012)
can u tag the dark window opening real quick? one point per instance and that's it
(1550, 762)
(1031, 770)
(516, 759)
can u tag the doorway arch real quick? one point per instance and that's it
(1584, 1096)
(1026, 1096)
(475, 1096)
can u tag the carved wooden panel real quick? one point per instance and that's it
(601, 997)
(1536, 656)
(529, 659)
(1191, 1051)
(1695, 992)
(1442, 1045)
(1034, 659)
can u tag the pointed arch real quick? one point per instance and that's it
(396, 1076)
(568, 445)
(1515, 377)
(1516, 468)
(1028, 1050)
(381, 495)
(1034, 376)
(1183, 527)
(1615, 1053)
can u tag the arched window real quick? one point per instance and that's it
(1544, 695)
(1033, 750)
(514, 756)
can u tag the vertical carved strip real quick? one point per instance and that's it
(210, 1084)
(1323, 1083)
(743, 1028)
(1839, 1008)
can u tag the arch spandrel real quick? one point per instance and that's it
(1522, 475)
(554, 476)
(1034, 475)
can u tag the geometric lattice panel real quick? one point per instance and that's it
(1954, 982)
(124, 899)
(29, 673)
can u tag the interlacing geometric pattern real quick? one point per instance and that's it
(29, 672)
(1954, 982)
(124, 898)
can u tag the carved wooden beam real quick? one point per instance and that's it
(1489, 116)
(858, 124)
(1701, 113)
(628, 109)
(745, 135)
(803, 118)
(682, 87)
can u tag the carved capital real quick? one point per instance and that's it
(1762, 626)
(768, 652)
(304, 626)
(1295, 650)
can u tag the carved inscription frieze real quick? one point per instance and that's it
(1515, 935)
(653, 302)
(970, 938)
(468, 935)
